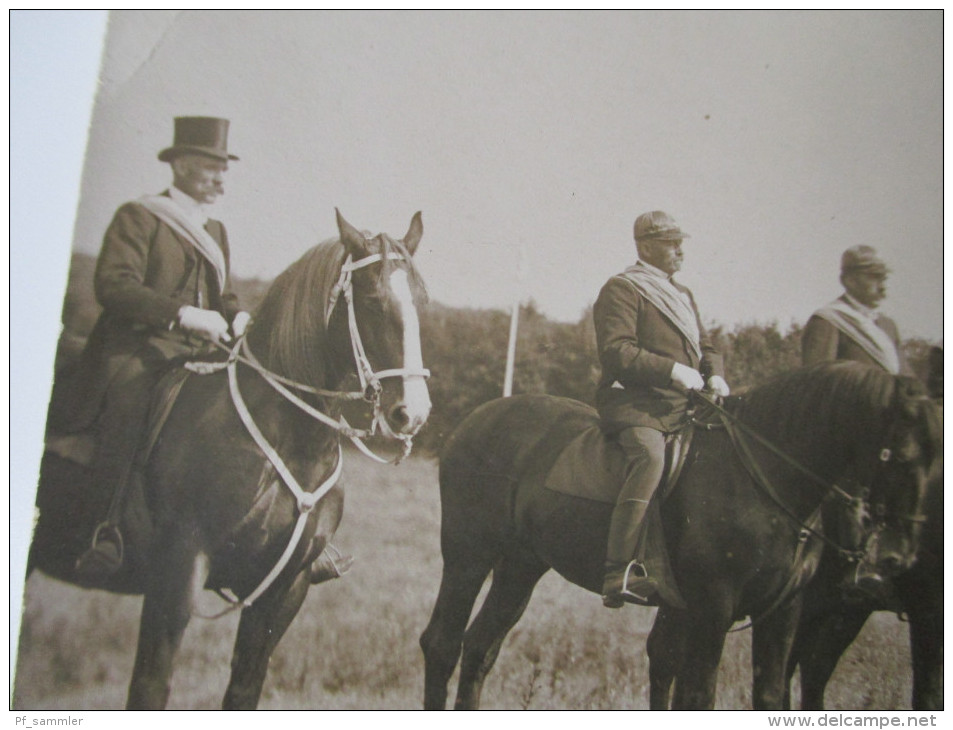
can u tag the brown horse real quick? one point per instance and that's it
(739, 545)
(242, 477)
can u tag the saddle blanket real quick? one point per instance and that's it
(591, 466)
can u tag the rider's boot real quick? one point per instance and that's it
(330, 564)
(104, 557)
(626, 580)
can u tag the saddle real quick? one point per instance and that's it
(72, 506)
(80, 446)
(592, 466)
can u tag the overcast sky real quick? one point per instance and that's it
(531, 141)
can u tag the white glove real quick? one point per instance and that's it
(718, 386)
(239, 323)
(686, 377)
(206, 323)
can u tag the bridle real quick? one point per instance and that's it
(370, 379)
(740, 433)
(371, 392)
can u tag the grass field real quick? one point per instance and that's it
(354, 644)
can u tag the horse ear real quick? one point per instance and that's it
(352, 238)
(416, 230)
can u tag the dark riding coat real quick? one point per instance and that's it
(145, 272)
(822, 341)
(638, 346)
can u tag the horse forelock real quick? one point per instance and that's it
(290, 333)
(391, 245)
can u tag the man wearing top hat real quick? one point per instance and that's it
(162, 281)
(850, 327)
(653, 349)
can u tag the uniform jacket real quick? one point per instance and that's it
(638, 346)
(145, 272)
(822, 341)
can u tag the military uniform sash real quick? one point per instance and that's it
(673, 304)
(864, 331)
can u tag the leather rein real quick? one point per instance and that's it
(371, 392)
(736, 429)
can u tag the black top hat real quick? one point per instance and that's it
(199, 136)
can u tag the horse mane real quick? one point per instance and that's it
(289, 334)
(833, 401)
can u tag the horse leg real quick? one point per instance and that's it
(166, 610)
(259, 630)
(702, 640)
(514, 578)
(819, 645)
(665, 647)
(463, 577)
(926, 645)
(772, 638)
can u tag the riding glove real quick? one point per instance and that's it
(206, 323)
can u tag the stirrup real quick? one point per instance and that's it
(97, 564)
(115, 532)
(333, 564)
(623, 596)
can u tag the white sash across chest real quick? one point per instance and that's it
(674, 305)
(864, 331)
(169, 212)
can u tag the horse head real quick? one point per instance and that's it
(374, 308)
(907, 462)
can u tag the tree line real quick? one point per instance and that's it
(465, 350)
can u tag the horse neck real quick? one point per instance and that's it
(297, 435)
(835, 445)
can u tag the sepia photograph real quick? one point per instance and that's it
(468, 359)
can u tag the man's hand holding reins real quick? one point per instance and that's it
(240, 323)
(205, 323)
(718, 386)
(686, 377)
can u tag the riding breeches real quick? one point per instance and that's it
(645, 455)
(121, 424)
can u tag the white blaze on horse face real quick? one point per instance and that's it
(416, 394)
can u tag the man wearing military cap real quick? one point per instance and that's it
(162, 281)
(850, 327)
(653, 349)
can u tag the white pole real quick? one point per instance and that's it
(511, 351)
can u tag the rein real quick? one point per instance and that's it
(735, 428)
(371, 391)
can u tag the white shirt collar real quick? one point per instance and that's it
(193, 209)
(862, 308)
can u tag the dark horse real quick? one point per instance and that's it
(242, 477)
(737, 548)
(832, 616)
